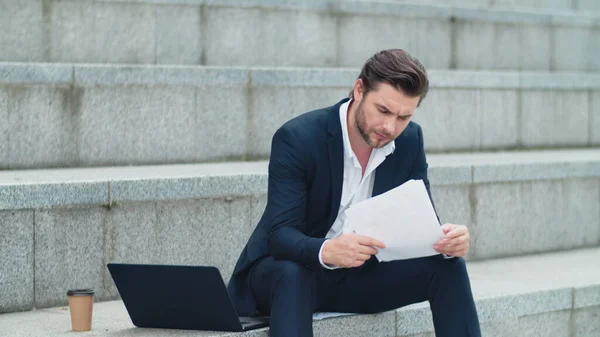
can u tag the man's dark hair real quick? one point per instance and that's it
(397, 68)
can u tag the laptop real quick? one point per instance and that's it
(179, 297)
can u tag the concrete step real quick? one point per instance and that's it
(64, 115)
(58, 228)
(297, 33)
(536, 5)
(556, 294)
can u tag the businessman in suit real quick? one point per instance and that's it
(302, 258)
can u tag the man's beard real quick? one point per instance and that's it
(361, 125)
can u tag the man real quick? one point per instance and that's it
(301, 258)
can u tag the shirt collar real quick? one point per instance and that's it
(348, 152)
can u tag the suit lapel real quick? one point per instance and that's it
(336, 167)
(335, 147)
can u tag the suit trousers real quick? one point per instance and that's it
(290, 293)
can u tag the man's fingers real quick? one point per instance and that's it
(446, 251)
(368, 241)
(363, 257)
(367, 250)
(447, 228)
(458, 241)
(456, 232)
(457, 245)
(453, 250)
(451, 247)
(451, 241)
(357, 263)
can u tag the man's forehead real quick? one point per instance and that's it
(394, 99)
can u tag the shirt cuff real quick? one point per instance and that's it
(444, 255)
(326, 266)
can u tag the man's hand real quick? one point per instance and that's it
(456, 242)
(349, 250)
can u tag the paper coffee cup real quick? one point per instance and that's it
(81, 302)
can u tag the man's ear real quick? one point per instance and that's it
(359, 90)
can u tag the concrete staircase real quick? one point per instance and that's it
(582, 6)
(63, 226)
(98, 115)
(138, 131)
(311, 33)
(522, 296)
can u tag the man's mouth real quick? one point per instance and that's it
(381, 137)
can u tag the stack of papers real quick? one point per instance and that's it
(402, 218)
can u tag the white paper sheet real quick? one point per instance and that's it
(402, 218)
(317, 316)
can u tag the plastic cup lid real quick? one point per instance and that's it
(80, 292)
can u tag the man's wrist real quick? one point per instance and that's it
(323, 264)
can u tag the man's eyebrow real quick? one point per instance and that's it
(383, 107)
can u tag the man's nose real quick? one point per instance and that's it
(389, 126)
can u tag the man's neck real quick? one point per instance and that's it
(361, 149)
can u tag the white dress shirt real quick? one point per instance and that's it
(355, 187)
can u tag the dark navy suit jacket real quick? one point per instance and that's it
(306, 171)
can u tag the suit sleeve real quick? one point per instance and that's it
(287, 202)
(419, 169)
